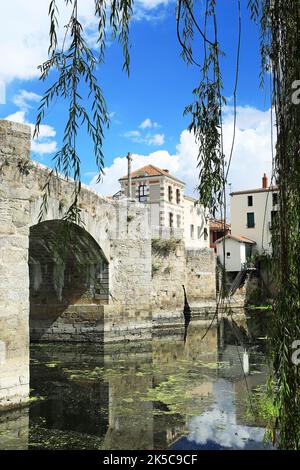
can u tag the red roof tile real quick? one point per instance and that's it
(215, 224)
(238, 238)
(150, 170)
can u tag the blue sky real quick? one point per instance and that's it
(146, 109)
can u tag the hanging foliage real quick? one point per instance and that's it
(280, 50)
(206, 109)
(74, 64)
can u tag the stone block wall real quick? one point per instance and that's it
(14, 281)
(195, 269)
(168, 276)
(201, 274)
(129, 314)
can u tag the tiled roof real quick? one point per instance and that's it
(238, 238)
(215, 224)
(150, 170)
(270, 189)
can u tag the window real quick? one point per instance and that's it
(178, 221)
(170, 193)
(143, 193)
(205, 234)
(170, 219)
(199, 232)
(192, 231)
(228, 255)
(250, 220)
(250, 201)
(248, 251)
(178, 196)
(275, 199)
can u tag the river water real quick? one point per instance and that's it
(159, 395)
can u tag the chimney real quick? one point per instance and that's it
(265, 182)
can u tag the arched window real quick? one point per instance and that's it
(142, 193)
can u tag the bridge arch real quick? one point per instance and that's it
(121, 235)
(99, 225)
(68, 276)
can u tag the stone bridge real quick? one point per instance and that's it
(86, 282)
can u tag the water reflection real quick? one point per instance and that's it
(218, 428)
(158, 395)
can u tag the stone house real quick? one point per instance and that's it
(172, 213)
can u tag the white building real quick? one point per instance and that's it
(196, 230)
(253, 213)
(172, 214)
(238, 250)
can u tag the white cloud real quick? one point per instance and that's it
(145, 134)
(219, 424)
(23, 98)
(148, 124)
(151, 4)
(252, 154)
(44, 143)
(156, 139)
(251, 157)
(24, 32)
(135, 136)
(18, 116)
(149, 139)
(43, 148)
(151, 10)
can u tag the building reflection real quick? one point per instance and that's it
(14, 429)
(142, 397)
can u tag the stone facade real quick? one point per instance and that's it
(14, 280)
(201, 274)
(66, 304)
(193, 269)
(171, 213)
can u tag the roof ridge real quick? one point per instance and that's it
(238, 238)
(158, 170)
(155, 167)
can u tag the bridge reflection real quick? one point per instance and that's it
(117, 397)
